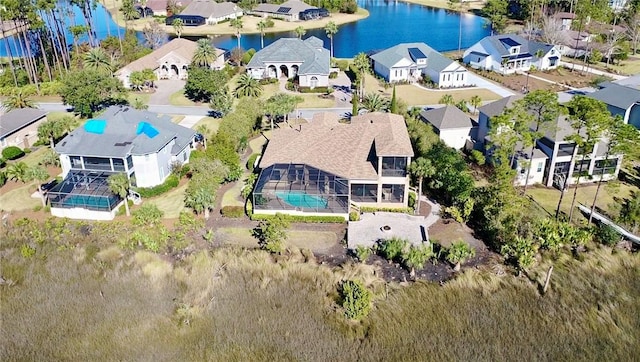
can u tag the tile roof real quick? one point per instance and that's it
(617, 95)
(125, 131)
(310, 52)
(207, 8)
(17, 119)
(447, 117)
(497, 107)
(341, 149)
(391, 56)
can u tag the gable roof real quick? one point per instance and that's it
(310, 52)
(617, 95)
(447, 117)
(121, 131)
(209, 8)
(497, 107)
(18, 119)
(341, 149)
(503, 43)
(391, 56)
(287, 8)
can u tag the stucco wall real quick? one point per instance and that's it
(28, 133)
(456, 137)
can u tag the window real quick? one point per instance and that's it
(97, 163)
(608, 166)
(76, 162)
(581, 168)
(364, 192)
(118, 164)
(393, 193)
(539, 168)
(394, 166)
(129, 162)
(478, 59)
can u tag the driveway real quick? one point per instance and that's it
(190, 121)
(486, 84)
(164, 89)
(341, 90)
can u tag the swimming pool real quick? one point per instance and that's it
(302, 199)
(88, 202)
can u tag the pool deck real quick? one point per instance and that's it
(371, 228)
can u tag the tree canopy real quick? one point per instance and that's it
(87, 90)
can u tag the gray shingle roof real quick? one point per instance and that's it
(389, 57)
(17, 119)
(294, 6)
(447, 117)
(502, 43)
(617, 95)
(310, 52)
(495, 108)
(208, 8)
(122, 135)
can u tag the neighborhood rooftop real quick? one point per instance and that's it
(289, 7)
(617, 95)
(413, 51)
(447, 117)
(207, 7)
(183, 47)
(497, 107)
(18, 119)
(121, 131)
(342, 149)
(315, 59)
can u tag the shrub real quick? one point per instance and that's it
(354, 216)
(189, 221)
(477, 157)
(272, 234)
(324, 90)
(459, 252)
(300, 218)
(121, 211)
(3, 178)
(356, 299)
(235, 212)
(392, 249)
(412, 200)
(12, 153)
(342, 64)
(148, 214)
(252, 161)
(27, 150)
(171, 182)
(363, 253)
(606, 235)
(405, 210)
(248, 207)
(2, 162)
(27, 251)
(333, 75)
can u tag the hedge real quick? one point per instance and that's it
(12, 153)
(171, 182)
(405, 210)
(235, 212)
(311, 219)
(252, 161)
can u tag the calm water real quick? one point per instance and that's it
(389, 23)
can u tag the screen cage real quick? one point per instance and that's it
(84, 189)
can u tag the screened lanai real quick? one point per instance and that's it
(302, 188)
(84, 189)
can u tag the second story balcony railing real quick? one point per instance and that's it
(391, 172)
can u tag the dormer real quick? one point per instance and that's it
(417, 56)
(511, 45)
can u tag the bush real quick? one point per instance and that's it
(477, 157)
(121, 211)
(12, 153)
(3, 178)
(27, 251)
(272, 234)
(252, 161)
(406, 210)
(412, 200)
(300, 218)
(354, 216)
(235, 212)
(171, 182)
(333, 75)
(392, 249)
(363, 253)
(248, 207)
(323, 90)
(148, 214)
(342, 64)
(189, 221)
(2, 162)
(27, 150)
(606, 235)
(356, 299)
(266, 81)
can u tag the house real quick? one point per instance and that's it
(575, 43)
(621, 99)
(453, 126)
(141, 144)
(321, 168)
(564, 18)
(187, 20)
(170, 61)
(212, 11)
(19, 127)
(486, 112)
(307, 60)
(159, 7)
(408, 62)
(536, 165)
(511, 53)
(292, 10)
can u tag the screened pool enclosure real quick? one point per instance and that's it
(84, 189)
(302, 188)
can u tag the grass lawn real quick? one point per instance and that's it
(210, 123)
(548, 197)
(170, 203)
(19, 199)
(58, 115)
(258, 142)
(315, 101)
(313, 240)
(230, 198)
(144, 97)
(178, 99)
(33, 158)
(177, 119)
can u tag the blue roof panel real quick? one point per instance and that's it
(147, 129)
(416, 53)
(510, 42)
(96, 126)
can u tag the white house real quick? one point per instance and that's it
(140, 144)
(212, 11)
(291, 10)
(408, 62)
(170, 61)
(453, 126)
(511, 53)
(292, 57)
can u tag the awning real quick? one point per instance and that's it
(553, 58)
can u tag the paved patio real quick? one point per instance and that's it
(373, 227)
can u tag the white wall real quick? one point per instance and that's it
(84, 214)
(153, 169)
(305, 80)
(456, 137)
(535, 176)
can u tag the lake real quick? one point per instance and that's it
(388, 24)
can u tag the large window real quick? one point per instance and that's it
(118, 164)
(566, 149)
(608, 166)
(581, 168)
(393, 193)
(97, 163)
(76, 162)
(394, 166)
(364, 192)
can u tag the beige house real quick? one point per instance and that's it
(321, 168)
(170, 61)
(20, 127)
(214, 12)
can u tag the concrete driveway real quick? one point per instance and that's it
(164, 89)
(341, 90)
(486, 84)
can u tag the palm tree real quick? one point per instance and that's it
(416, 257)
(97, 59)
(420, 168)
(178, 26)
(18, 100)
(361, 62)
(447, 99)
(50, 130)
(458, 253)
(375, 103)
(119, 185)
(139, 104)
(475, 102)
(129, 12)
(331, 29)
(237, 24)
(200, 200)
(261, 26)
(205, 54)
(247, 86)
(17, 171)
(39, 175)
(300, 31)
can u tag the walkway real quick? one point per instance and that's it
(481, 82)
(583, 68)
(604, 219)
(190, 121)
(546, 80)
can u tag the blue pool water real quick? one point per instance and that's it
(302, 199)
(99, 203)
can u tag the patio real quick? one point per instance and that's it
(385, 225)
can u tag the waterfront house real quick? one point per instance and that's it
(292, 10)
(510, 53)
(409, 62)
(212, 11)
(453, 126)
(307, 60)
(19, 127)
(170, 61)
(321, 168)
(141, 144)
(622, 99)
